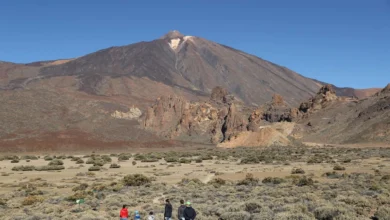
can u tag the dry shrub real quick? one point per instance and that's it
(56, 162)
(94, 168)
(114, 165)
(136, 180)
(23, 168)
(328, 212)
(338, 167)
(78, 195)
(29, 157)
(297, 171)
(30, 200)
(249, 180)
(383, 212)
(123, 157)
(80, 187)
(217, 182)
(47, 158)
(48, 168)
(273, 180)
(304, 181)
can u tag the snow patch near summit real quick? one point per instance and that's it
(174, 43)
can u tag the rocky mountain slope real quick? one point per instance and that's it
(173, 64)
(210, 94)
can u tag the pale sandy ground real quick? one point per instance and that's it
(229, 170)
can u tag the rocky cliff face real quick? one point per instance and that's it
(325, 96)
(223, 119)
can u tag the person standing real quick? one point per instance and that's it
(151, 216)
(189, 212)
(124, 213)
(168, 210)
(180, 211)
(137, 216)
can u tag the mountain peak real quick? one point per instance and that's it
(172, 34)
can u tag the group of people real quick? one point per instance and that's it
(184, 212)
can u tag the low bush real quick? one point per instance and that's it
(114, 165)
(193, 181)
(206, 157)
(47, 158)
(250, 160)
(217, 182)
(198, 160)
(347, 160)
(139, 157)
(94, 168)
(48, 168)
(29, 157)
(150, 160)
(171, 159)
(78, 195)
(134, 162)
(273, 180)
(305, 181)
(123, 157)
(56, 162)
(14, 161)
(385, 178)
(249, 180)
(338, 167)
(9, 157)
(383, 212)
(184, 160)
(80, 187)
(79, 161)
(30, 200)
(136, 180)
(23, 168)
(106, 158)
(297, 171)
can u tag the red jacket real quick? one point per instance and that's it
(124, 213)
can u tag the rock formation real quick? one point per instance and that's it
(325, 96)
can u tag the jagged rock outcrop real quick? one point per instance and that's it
(275, 111)
(174, 117)
(234, 123)
(325, 96)
(386, 90)
(165, 115)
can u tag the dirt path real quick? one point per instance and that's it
(208, 178)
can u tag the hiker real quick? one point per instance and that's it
(151, 216)
(137, 216)
(189, 212)
(124, 214)
(168, 210)
(180, 211)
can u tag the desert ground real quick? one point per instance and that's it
(288, 183)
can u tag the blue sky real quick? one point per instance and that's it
(344, 42)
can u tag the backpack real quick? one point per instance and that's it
(181, 211)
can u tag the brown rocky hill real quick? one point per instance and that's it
(331, 119)
(351, 92)
(210, 93)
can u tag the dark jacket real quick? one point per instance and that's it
(189, 213)
(168, 210)
(180, 212)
